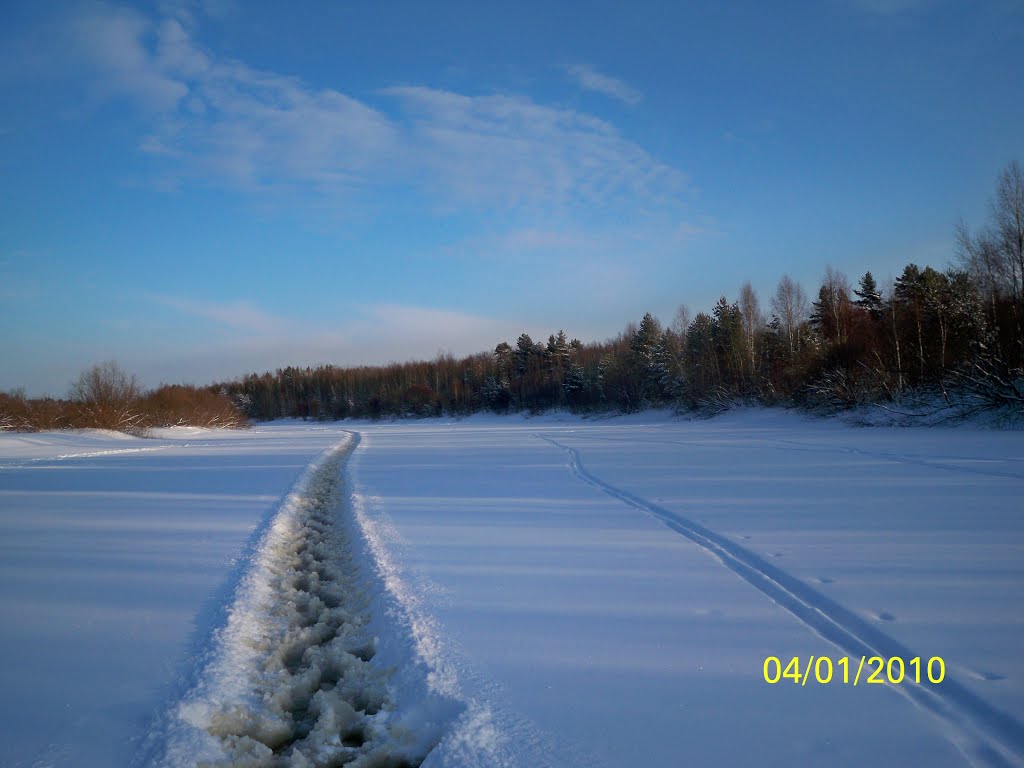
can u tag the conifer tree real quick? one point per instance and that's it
(868, 296)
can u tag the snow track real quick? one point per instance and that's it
(85, 455)
(290, 681)
(942, 464)
(948, 464)
(985, 734)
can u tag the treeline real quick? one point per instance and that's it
(951, 337)
(106, 397)
(954, 335)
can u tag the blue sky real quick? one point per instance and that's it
(200, 189)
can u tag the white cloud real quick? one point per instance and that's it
(258, 128)
(186, 11)
(218, 118)
(592, 80)
(243, 126)
(154, 145)
(112, 42)
(175, 53)
(511, 151)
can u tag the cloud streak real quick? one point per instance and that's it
(236, 315)
(212, 118)
(510, 151)
(111, 44)
(256, 340)
(591, 80)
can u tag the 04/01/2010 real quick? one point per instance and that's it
(871, 670)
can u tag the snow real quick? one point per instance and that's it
(291, 681)
(572, 611)
(507, 591)
(117, 555)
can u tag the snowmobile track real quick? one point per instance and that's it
(292, 683)
(985, 734)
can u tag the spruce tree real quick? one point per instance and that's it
(868, 296)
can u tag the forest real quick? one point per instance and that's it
(950, 340)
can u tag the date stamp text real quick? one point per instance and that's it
(868, 670)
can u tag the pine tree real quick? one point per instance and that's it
(727, 332)
(666, 366)
(644, 377)
(701, 356)
(868, 296)
(524, 351)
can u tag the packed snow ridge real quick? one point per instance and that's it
(291, 682)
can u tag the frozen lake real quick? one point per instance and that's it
(552, 591)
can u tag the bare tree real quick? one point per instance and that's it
(1008, 220)
(892, 326)
(994, 257)
(104, 383)
(106, 397)
(750, 313)
(979, 256)
(790, 307)
(681, 321)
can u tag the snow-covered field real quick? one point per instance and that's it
(507, 591)
(116, 555)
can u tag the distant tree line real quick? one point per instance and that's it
(954, 334)
(106, 397)
(952, 337)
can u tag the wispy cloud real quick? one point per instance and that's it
(592, 80)
(219, 118)
(411, 331)
(250, 338)
(254, 128)
(216, 118)
(530, 240)
(394, 328)
(110, 43)
(607, 266)
(187, 11)
(511, 151)
(235, 315)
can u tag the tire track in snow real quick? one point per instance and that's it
(290, 683)
(986, 735)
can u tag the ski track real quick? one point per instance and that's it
(900, 458)
(794, 445)
(87, 455)
(986, 735)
